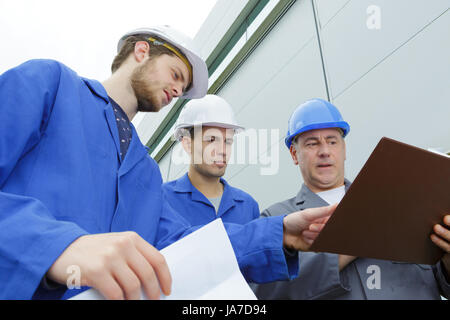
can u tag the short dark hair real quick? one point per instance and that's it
(128, 48)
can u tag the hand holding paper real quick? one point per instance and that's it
(202, 266)
(117, 264)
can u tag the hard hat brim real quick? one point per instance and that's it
(178, 134)
(199, 86)
(339, 124)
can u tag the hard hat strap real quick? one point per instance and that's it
(176, 52)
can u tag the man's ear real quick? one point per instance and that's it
(141, 48)
(293, 153)
(186, 142)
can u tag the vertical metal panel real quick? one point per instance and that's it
(406, 97)
(394, 83)
(351, 49)
(283, 71)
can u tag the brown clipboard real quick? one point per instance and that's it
(390, 209)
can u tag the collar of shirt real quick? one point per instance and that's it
(123, 127)
(184, 185)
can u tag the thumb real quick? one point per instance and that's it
(319, 213)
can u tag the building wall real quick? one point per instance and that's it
(284, 70)
(392, 81)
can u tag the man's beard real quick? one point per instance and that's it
(209, 173)
(146, 100)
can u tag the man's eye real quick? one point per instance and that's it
(175, 75)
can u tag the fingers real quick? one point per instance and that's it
(321, 221)
(118, 265)
(108, 287)
(441, 236)
(123, 264)
(128, 281)
(309, 236)
(145, 274)
(313, 214)
(316, 227)
(442, 232)
(312, 233)
(447, 220)
(294, 224)
(444, 245)
(142, 267)
(333, 207)
(159, 265)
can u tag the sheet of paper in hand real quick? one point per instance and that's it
(203, 266)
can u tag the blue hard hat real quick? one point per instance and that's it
(314, 114)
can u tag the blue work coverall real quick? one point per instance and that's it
(236, 206)
(61, 177)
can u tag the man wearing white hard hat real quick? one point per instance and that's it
(74, 176)
(80, 197)
(206, 129)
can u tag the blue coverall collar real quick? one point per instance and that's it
(135, 150)
(228, 197)
(97, 88)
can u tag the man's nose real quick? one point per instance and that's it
(220, 149)
(177, 89)
(324, 149)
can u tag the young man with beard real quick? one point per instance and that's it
(316, 143)
(74, 176)
(80, 198)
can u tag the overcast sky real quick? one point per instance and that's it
(83, 34)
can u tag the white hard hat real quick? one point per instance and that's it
(211, 110)
(199, 85)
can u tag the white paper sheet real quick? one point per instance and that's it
(203, 266)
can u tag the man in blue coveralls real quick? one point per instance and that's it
(78, 188)
(72, 169)
(316, 142)
(206, 129)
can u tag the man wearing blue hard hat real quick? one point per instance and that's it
(315, 138)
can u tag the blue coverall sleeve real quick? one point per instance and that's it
(256, 212)
(319, 277)
(258, 245)
(30, 238)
